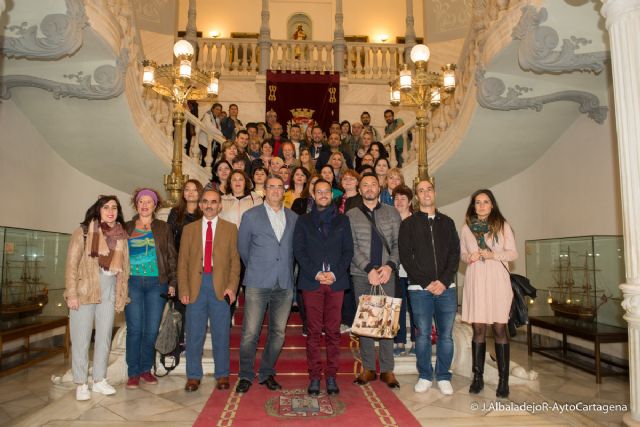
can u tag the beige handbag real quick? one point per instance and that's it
(378, 315)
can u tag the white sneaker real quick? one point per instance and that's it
(103, 387)
(445, 387)
(82, 392)
(422, 386)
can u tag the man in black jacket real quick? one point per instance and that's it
(323, 247)
(430, 252)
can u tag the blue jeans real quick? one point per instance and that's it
(401, 336)
(143, 315)
(425, 306)
(256, 301)
(207, 307)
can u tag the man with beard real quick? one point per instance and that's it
(365, 118)
(374, 227)
(392, 125)
(323, 247)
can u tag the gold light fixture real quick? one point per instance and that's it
(423, 90)
(179, 82)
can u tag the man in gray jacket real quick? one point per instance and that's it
(375, 228)
(265, 243)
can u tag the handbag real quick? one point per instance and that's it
(378, 315)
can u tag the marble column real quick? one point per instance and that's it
(409, 33)
(191, 30)
(264, 40)
(339, 45)
(623, 21)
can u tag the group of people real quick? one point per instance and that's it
(321, 235)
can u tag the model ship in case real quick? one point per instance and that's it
(27, 295)
(569, 298)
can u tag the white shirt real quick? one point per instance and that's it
(296, 145)
(278, 220)
(214, 222)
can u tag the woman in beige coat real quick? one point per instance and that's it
(96, 275)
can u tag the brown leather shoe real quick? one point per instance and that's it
(192, 385)
(365, 377)
(222, 383)
(389, 379)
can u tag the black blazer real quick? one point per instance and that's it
(311, 248)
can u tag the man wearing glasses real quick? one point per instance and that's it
(265, 242)
(323, 247)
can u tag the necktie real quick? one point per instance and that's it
(208, 248)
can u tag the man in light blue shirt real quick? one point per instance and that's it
(265, 243)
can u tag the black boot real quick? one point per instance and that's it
(478, 350)
(502, 357)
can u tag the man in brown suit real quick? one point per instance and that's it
(208, 276)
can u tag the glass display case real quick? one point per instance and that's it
(577, 277)
(32, 275)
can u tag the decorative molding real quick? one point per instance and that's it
(62, 35)
(631, 301)
(538, 43)
(450, 14)
(150, 10)
(109, 82)
(491, 89)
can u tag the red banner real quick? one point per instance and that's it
(304, 99)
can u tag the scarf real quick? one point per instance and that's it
(480, 229)
(106, 243)
(322, 219)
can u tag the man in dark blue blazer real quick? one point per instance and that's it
(265, 242)
(323, 247)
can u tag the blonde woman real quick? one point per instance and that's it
(338, 163)
(96, 275)
(394, 180)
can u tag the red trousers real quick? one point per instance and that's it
(324, 311)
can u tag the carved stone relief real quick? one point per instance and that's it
(62, 35)
(491, 91)
(106, 81)
(447, 16)
(537, 51)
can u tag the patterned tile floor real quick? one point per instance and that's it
(24, 400)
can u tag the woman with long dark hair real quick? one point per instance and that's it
(304, 203)
(259, 178)
(185, 213)
(327, 173)
(487, 244)
(239, 198)
(96, 275)
(299, 178)
(221, 171)
(153, 259)
(187, 210)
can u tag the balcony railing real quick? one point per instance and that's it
(241, 57)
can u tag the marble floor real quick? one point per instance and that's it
(25, 400)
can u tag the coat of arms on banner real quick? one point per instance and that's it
(302, 117)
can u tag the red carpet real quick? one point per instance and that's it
(374, 404)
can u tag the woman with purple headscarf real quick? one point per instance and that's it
(152, 256)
